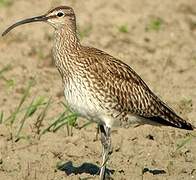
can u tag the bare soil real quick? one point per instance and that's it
(156, 38)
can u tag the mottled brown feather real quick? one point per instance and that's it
(113, 84)
(128, 90)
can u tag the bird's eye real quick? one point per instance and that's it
(60, 14)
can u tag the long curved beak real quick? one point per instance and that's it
(25, 21)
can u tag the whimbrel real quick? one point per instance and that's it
(98, 86)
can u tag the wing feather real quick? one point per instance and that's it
(129, 93)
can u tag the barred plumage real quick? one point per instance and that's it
(99, 86)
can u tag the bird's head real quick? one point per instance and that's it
(61, 16)
(58, 17)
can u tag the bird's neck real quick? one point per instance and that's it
(67, 39)
(66, 49)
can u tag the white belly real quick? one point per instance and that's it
(80, 100)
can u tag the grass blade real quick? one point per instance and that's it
(85, 125)
(9, 82)
(12, 117)
(41, 117)
(72, 118)
(34, 105)
(48, 129)
(184, 142)
(61, 121)
(1, 117)
(4, 69)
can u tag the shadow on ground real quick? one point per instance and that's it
(87, 168)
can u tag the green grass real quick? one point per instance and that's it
(71, 121)
(41, 117)
(32, 108)
(9, 82)
(5, 69)
(187, 102)
(85, 125)
(123, 28)
(194, 59)
(185, 141)
(4, 3)
(64, 118)
(12, 117)
(1, 117)
(154, 25)
(40, 103)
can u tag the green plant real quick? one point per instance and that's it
(12, 117)
(67, 118)
(154, 24)
(123, 28)
(63, 119)
(71, 122)
(185, 141)
(5, 3)
(186, 105)
(9, 82)
(32, 108)
(41, 117)
(85, 125)
(1, 117)
(5, 69)
(194, 59)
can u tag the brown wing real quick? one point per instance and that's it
(128, 92)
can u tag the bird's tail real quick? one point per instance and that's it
(168, 117)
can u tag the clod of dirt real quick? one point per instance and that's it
(150, 137)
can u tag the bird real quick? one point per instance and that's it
(100, 87)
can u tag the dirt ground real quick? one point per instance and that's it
(156, 38)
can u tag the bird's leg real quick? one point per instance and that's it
(106, 144)
(97, 133)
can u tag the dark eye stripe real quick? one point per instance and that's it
(55, 16)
